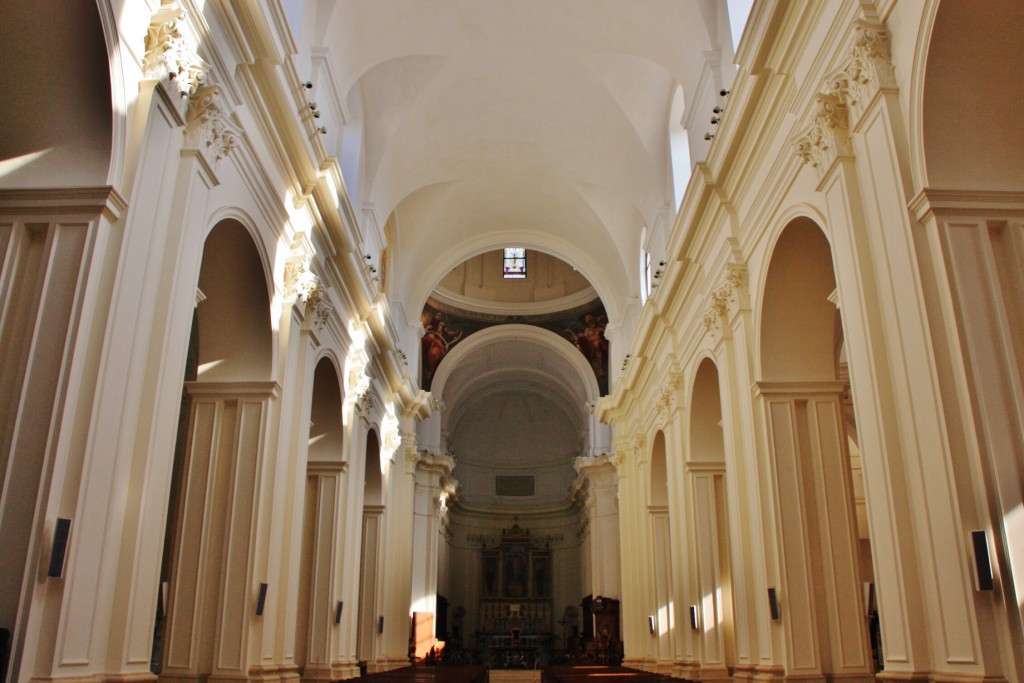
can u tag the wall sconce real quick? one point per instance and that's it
(694, 624)
(261, 601)
(59, 548)
(337, 611)
(983, 578)
(773, 604)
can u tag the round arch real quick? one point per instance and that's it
(235, 332)
(70, 143)
(705, 434)
(965, 129)
(421, 287)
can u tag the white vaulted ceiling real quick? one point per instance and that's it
(542, 123)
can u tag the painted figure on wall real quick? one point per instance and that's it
(591, 341)
(437, 339)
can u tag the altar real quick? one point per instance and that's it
(515, 608)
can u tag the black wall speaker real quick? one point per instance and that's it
(650, 625)
(59, 548)
(261, 601)
(380, 624)
(773, 604)
(337, 611)
(983, 580)
(693, 617)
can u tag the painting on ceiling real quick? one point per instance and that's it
(444, 327)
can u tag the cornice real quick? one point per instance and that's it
(91, 201)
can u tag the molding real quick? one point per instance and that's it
(983, 203)
(94, 201)
(799, 389)
(229, 390)
(324, 467)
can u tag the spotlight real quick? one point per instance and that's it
(308, 85)
(723, 92)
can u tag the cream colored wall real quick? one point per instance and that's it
(824, 133)
(927, 281)
(548, 278)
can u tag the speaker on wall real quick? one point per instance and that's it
(983, 580)
(59, 548)
(337, 611)
(650, 625)
(261, 601)
(773, 604)
(693, 617)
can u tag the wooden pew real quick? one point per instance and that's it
(431, 674)
(599, 674)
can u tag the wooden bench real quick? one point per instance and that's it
(599, 674)
(431, 674)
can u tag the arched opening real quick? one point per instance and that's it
(47, 142)
(679, 148)
(973, 131)
(215, 491)
(373, 515)
(321, 551)
(706, 472)
(820, 573)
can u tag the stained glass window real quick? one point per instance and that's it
(514, 266)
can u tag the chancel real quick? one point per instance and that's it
(461, 339)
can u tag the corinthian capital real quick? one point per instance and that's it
(170, 53)
(828, 136)
(207, 129)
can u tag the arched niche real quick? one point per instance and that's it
(55, 67)
(973, 130)
(326, 429)
(706, 442)
(234, 318)
(659, 471)
(374, 484)
(797, 318)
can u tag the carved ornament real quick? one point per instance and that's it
(169, 53)
(206, 126)
(828, 137)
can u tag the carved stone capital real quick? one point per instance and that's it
(300, 282)
(828, 136)
(867, 70)
(725, 300)
(207, 128)
(170, 53)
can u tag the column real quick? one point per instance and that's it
(399, 447)
(972, 252)
(728, 323)
(433, 478)
(215, 589)
(357, 384)
(602, 510)
(819, 589)
(325, 492)
(705, 481)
